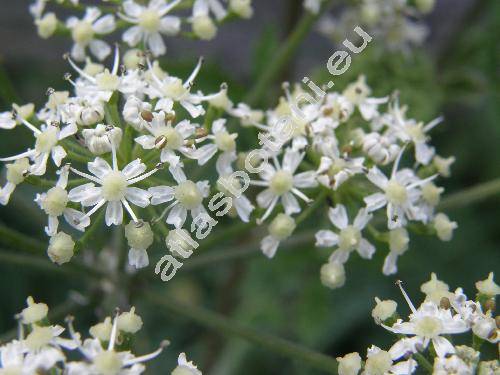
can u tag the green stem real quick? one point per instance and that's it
(19, 241)
(228, 254)
(7, 91)
(313, 207)
(282, 56)
(90, 232)
(222, 324)
(471, 195)
(422, 361)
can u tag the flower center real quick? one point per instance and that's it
(15, 171)
(174, 89)
(55, 201)
(337, 166)
(224, 141)
(114, 186)
(188, 194)
(416, 132)
(281, 182)
(149, 20)
(349, 238)
(82, 33)
(396, 193)
(428, 327)
(107, 81)
(172, 139)
(108, 363)
(39, 337)
(46, 140)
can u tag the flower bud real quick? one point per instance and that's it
(129, 322)
(444, 227)
(425, 6)
(34, 312)
(282, 226)
(488, 287)
(332, 275)
(133, 58)
(139, 235)
(398, 240)
(443, 165)
(431, 193)
(384, 309)
(98, 139)
(242, 8)
(350, 364)
(378, 363)
(102, 331)
(54, 202)
(203, 27)
(16, 171)
(24, 111)
(47, 25)
(61, 248)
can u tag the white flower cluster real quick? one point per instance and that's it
(40, 348)
(127, 124)
(145, 24)
(396, 22)
(431, 327)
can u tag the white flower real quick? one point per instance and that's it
(488, 287)
(203, 26)
(185, 367)
(350, 364)
(231, 186)
(400, 194)
(139, 237)
(409, 130)
(428, 324)
(15, 358)
(334, 171)
(280, 229)
(54, 203)
(9, 119)
(383, 309)
(398, 245)
(135, 112)
(114, 188)
(150, 22)
(349, 237)
(282, 183)
(379, 362)
(444, 227)
(222, 141)
(129, 322)
(443, 165)
(16, 173)
(84, 33)
(47, 144)
(34, 312)
(451, 365)
(186, 196)
(170, 89)
(41, 337)
(107, 360)
(381, 148)
(98, 140)
(167, 138)
(358, 94)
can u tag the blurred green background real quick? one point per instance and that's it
(456, 73)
